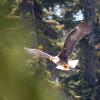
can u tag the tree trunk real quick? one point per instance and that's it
(87, 61)
(87, 54)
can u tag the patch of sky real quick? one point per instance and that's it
(58, 11)
(78, 16)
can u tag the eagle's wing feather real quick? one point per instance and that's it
(38, 53)
(72, 38)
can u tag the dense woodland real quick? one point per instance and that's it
(44, 24)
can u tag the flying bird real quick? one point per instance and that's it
(61, 60)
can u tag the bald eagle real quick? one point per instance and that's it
(61, 60)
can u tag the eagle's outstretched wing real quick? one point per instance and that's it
(38, 53)
(72, 39)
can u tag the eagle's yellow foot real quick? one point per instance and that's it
(66, 67)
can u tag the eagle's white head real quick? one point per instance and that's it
(56, 59)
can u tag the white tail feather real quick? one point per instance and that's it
(73, 63)
(61, 67)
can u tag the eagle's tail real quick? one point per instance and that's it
(73, 63)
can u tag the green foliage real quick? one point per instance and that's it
(17, 81)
